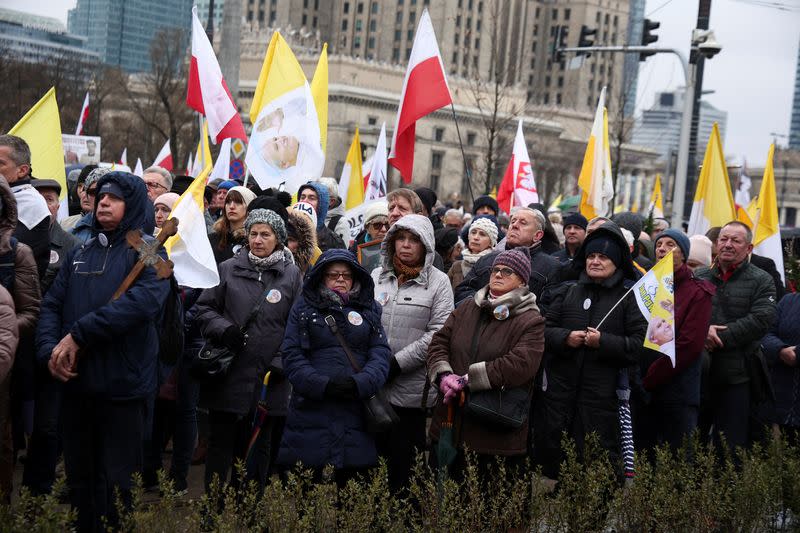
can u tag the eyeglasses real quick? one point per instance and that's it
(153, 185)
(503, 271)
(378, 225)
(333, 276)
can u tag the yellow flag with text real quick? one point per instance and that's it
(655, 296)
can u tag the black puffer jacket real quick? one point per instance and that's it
(580, 383)
(229, 303)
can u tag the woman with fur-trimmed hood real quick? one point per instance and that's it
(302, 239)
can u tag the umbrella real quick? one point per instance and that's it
(446, 450)
(258, 418)
(625, 424)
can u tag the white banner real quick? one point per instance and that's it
(81, 149)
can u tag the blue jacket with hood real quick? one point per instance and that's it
(322, 430)
(118, 339)
(326, 239)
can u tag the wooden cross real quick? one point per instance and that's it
(148, 255)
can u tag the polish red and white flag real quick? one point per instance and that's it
(208, 93)
(425, 90)
(164, 157)
(84, 115)
(519, 184)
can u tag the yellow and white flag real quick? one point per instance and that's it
(713, 199)
(352, 181)
(41, 129)
(285, 142)
(656, 199)
(555, 203)
(767, 234)
(190, 250)
(655, 296)
(319, 89)
(595, 181)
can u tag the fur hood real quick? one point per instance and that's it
(306, 235)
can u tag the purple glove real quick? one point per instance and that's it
(451, 385)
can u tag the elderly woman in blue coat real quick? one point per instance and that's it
(325, 422)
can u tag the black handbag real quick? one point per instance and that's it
(212, 362)
(502, 408)
(378, 412)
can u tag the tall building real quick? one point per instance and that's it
(630, 70)
(481, 41)
(794, 127)
(507, 40)
(660, 126)
(121, 31)
(37, 39)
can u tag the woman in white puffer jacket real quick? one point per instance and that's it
(417, 299)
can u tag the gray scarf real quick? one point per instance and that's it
(263, 263)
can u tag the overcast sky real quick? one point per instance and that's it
(753, 76)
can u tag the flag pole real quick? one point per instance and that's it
(463, 155)
(615, 306)
(202, 142)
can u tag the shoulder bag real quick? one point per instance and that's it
(213, 361)
(502, 408)
(378, 413)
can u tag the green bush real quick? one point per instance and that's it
(692, 491)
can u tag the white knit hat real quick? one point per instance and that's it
(700, 249)
(487, 226)
(308, 209)
(376, 209)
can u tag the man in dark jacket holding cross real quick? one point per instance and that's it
(105, 351)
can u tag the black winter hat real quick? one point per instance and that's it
(606, 246)
(427, 196)
(271, 203)
(575, 219)
(181, 183)
(485, 201)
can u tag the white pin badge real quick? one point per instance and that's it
(383, 298)
(103, 239)
(274, 296)
(53, 257)
(501, 312)
(587, 303)
(354, 318)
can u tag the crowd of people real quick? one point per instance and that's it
(477, 329)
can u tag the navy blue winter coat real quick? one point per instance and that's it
(785, 379)
(319, 430)
(119, 339)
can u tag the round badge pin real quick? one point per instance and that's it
(383, 298)
(235, 249)
(274, 296)
(501, 312)
(53, 257)
(587, 303)
(354, 318)
(103, 239)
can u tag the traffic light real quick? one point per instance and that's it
(560, 41)
(585, 40)
(648, 37)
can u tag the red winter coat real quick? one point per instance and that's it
(692, 318)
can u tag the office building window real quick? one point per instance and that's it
(344, 25)
(358, 25)
(374, 7)
(371, 42)
(478, 25)
(436, 160)
(373, 25)
(357, 41)
(372, 121)
(558, 99)
(561, 81)
(412, 17)
(346, 7)
(554, 14)
(567, 13)
(304, 19)
(360, 8)
(410, 35)
(438, 134)
(546, 98)
(398, 19)
(471, 137)
(395, 54)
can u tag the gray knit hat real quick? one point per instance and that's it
(271, 218)
(94, 176)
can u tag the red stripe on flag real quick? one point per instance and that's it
(194, 94)
(506, 190)
(426, 91)
(166, 163)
